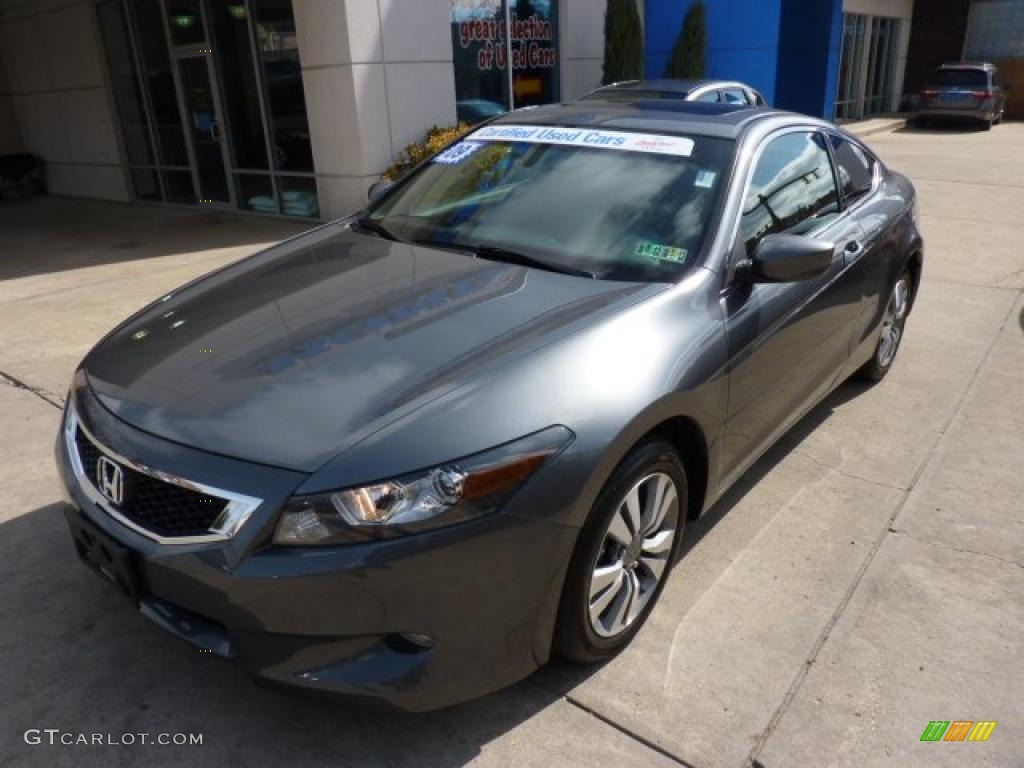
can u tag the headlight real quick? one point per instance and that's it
(450, 493)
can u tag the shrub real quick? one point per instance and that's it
(435, 140)
(623, 42)
(687, 60)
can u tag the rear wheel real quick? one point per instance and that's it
(624, 554)
(986, 125)
(891, 334)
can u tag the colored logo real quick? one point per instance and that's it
(958, 730)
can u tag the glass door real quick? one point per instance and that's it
(851, 68)
(204, 127)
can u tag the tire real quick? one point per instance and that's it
(636, 571)
(986, 125)
(894, 319)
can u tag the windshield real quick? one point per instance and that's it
(622, 214)
(959, 78)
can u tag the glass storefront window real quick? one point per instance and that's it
(145, 184)
(130, 109)
(178, 187)
(163, 98)
(298, 196)
(534, 51)
(282, 77)
(481, 84)
(185, 22)
(243, 138)
(255, 192)
(481, 49)
(241, 89)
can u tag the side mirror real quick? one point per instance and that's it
(788, 258)
(378, 188)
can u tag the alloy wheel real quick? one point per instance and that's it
(893, 321)
(634, 554)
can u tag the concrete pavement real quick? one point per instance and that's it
(866, 577)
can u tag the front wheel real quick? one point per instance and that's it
(891, 334)
(624, 554)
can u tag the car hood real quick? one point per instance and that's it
(291, 356)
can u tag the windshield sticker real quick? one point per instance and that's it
(705, 178)
(645, 249)
(585, 137)
(456, 153)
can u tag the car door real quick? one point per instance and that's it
(787, 342)
(858, 175)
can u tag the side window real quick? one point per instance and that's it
(792, 189)
(734, 96)
(855, 167)
(708, 96)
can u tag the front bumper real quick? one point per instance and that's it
(332, 619)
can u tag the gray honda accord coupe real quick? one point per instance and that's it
(408, 456)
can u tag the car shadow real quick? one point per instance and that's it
(78, 657)
(44, 235)
(953, 128)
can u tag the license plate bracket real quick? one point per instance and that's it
(111, 559)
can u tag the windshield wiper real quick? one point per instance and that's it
(497, 253)
(371, 225)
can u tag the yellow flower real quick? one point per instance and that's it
(433, 142)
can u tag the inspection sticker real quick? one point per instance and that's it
(705, 178)
(456, 153)
(585, 137)
(648, 250)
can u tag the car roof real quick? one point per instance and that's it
(666, 86)
(673, 116)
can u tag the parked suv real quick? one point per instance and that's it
(966, 90)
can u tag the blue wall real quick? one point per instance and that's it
(787, 49)
(809, 38)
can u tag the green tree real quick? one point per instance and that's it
(687, 60)
(623, 42)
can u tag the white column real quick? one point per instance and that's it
(377, 75)
(581, 29)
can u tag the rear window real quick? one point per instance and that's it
(856, 168)
(960, 78)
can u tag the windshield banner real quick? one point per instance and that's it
(586, 137)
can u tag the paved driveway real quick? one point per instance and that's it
(864, 579)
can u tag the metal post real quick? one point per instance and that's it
(508, 55)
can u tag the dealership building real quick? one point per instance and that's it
(294, 107)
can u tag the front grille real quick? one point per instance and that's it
(164, 508)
